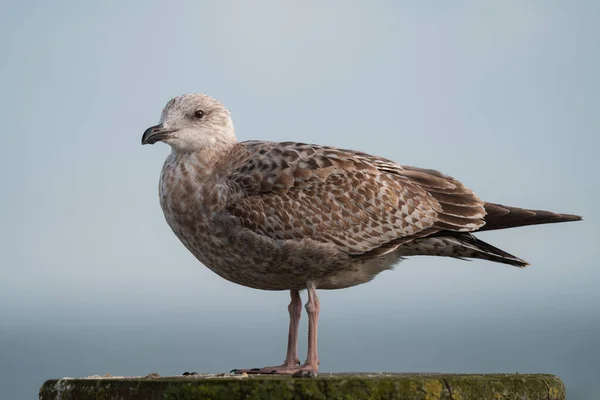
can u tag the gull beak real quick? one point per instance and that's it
(155, 134)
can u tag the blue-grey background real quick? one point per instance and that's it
(502, 95)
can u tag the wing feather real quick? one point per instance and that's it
(365, 205)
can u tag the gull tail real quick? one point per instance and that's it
(502, 217)
(465, 245)
(461, 246)
(476, 248)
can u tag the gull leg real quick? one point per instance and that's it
(310, 368)
(291, 360)
(295, 310)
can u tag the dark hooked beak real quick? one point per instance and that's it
(155, 134)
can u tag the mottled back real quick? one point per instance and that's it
(365, 205)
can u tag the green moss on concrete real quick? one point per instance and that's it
(325, 386)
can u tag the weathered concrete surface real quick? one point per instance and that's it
(326, 386)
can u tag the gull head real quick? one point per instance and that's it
(192, 122)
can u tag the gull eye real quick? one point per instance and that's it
(199, 114)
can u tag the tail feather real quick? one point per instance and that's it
(464, 245)
(458, 245)
(488, 252)
(502, 217)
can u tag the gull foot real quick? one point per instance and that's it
(264, 370)
(297, 371)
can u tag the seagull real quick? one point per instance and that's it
(296, 216)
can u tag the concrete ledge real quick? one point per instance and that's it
(326, 386)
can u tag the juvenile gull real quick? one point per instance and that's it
(294, 216)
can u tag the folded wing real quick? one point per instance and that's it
(365, 205)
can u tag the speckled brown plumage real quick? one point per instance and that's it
(292, 215)
(277, 215)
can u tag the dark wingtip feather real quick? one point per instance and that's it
(524, 264)
(571, 217)
(502, 217)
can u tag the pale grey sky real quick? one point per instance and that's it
(501, 95)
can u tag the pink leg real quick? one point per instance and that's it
(291, 359)
(310, 368)
(295, 310)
